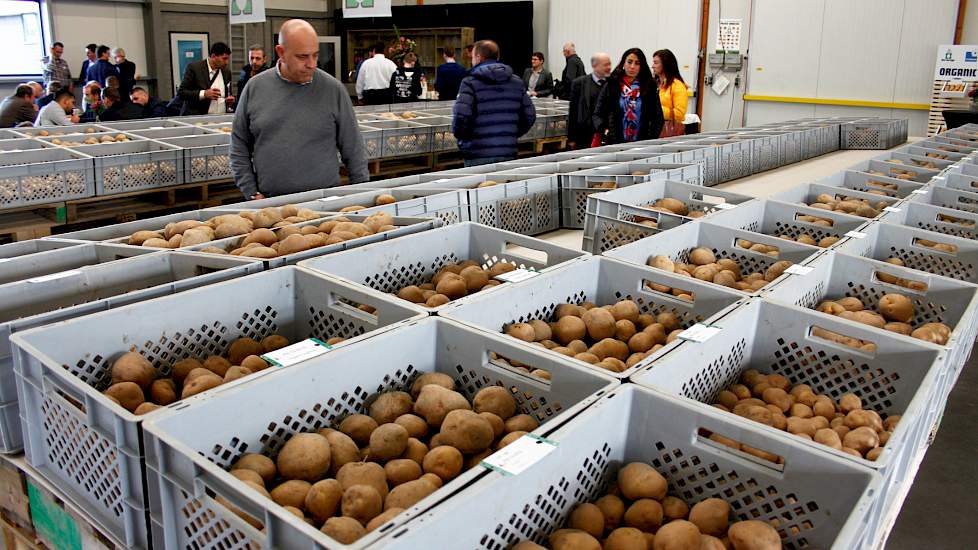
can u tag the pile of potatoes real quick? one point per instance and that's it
(894, 312)
(118, 138)
(637, 513)
(805, 238)
(675, 206)
(613, 337)
(956, 221)
(354, 477)
(266, 243)
(704, 265)
(936, 156)
(454, 281)
(46, 133)
(381, 200)
(849, 205)
(924, 164)
(942, 247)
(773, 401)
(193, 232)
(138, 388)
(897, 173)
(894, 280)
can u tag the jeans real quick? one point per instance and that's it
(487, 160)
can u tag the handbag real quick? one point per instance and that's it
(672, 128)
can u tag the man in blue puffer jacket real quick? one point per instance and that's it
(492, 109)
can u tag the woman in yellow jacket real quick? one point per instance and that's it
(672, 92)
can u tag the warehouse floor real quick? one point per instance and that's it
(942, 500)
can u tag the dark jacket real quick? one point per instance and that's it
(101, 70)
(44, 100)
(406, 88)
(608, 113)
(83, 73)
(545, 84)
(154, 108)
(246, 75)
(14, 110)
(196, 78)
(491, 112)
(127, 77)
(448, 77)
(583, 100)
(92, 114)
(122, 110)
(573, 70)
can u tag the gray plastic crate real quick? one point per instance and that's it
(22, 144)
(20, 249)
(777, 218)
(965, 168)
(961, 145)
(959, 181)
(932, 153)
(807, 193)
(499, 511)
(120, 232)
(873, 133)
(944, 146)
(946, 197)
(765, 150)
(403, 226)
(808, 140)
(914, 161)
(205, 157)
(373, 141)
(733, 158)
(603, 233)
(95, 454)
(442, 137)
(873, 184)
(48, 261)
(576, 188)
(539, 128)
(45, 175)
(161, 132)
(75, 130)
(403, 137)
(450, 206)
(134, 165)
(935, 218)
(145, 124)
(892, 169)
(209, 120)
(835, 276)
(679, 242)
(33, 303)
(884, 240)
(683, 153)
(633, 200)
(189, 449)
(599, 280)
(383, 267)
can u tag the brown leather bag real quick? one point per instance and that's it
(672, 128)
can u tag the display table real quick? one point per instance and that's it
(959, 117)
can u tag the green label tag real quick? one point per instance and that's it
(55, 526)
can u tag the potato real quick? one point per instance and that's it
(661, 262)
(342, 449)
(638, 480)
(200, 384)
(248, 475)
(498, 426)
(570, 328)
(466, 431)
(521, 331)
(644, 514)
(217, 364)
(858, 417)
(363, 473)
(527, 545)
(674, 508)
(128, 394)
(435, 402)
(182, 368)
(702, 256)
(613, 510)
(711, 516)
(408, 494)
(304, 456)
(521, 423)
(415, 425)
(444, 461)
(146, 407)
(260, 464)
(133, 367)
(861, 439)
(235, 373)
(273, 342)
(358, 427)
(416, 450)
(496, 400)
(388, 441)
(437, 378)
(383, 518)
(600, 323)
(139, 237)
(390, 405)
(475, 278)
(849, 402)
(775, 270)
(343, 529)
(777, 397)
(243, 347)
(677, 535)
(573, 539)
(587, 517)
(163, 391)
(254, 363)
(753, 535)
(361, 502)
(291, 493)
(829, 437)
(625, 310)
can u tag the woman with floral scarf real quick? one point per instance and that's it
(628, 107)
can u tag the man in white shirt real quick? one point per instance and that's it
(374, 78)
(59, 111)
(206, 85)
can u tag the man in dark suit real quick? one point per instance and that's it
(206, 85)
(573, 69)
(583, 98)
(90, 59)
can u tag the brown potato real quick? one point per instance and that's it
(243, 347)
(388, 441)
(638, 480)
(383, 518)
(644, 514)
(436, 378)
(435, 402)
(365, 473)
(677, 534)
(753, 535)
(415, 425)
(133, 367)
(496, 400)
(521, 423)
(466, 431)
(408, 494)
(182, 368)
(711, 516)
(444, 461)
(273, 342)
(260, 464)
(163, 391)
(358, 427)
(291, 493)
(128, 394)
(573, 539)
(390, 405)
(200, 384)
(343, 529)
(217, 364)
(304, 456)
(587, 517)
(323, 499)
(674, 508)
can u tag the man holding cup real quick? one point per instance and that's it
(206, 85)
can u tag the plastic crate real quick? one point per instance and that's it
(33, 303)
(134, 165)
(942, 144)
(48, 261)
(765, 151)
(383, 267)
(373, 141)
(603, 233)
(892, 169)
(205, 157)
(450, 206)
(403, 226)
(683, 153)
(807, 193)
(946, 197)
(959, 181)
(679, 242)
(74, 130)
(45, 175)
(899, 378)
(733, 158)
(95, 455)
(637, 424)
(965, 167)
(539, 128)
(20, 249)
(914, 161)
(868, 183)
(809, 140)
(926, 151)
(22, 144)
(189, 449)
(209, 120)
(777, 218)
(577, 187)
(835, 276)
(935, 218)
(599, 280)
(872, 134)
(403, 137)
(134, 126)
(442, 137)
(961, 145)
(159, 133)
(884, 240)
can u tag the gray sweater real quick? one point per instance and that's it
(285, 136)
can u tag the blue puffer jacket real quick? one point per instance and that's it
(491, 112)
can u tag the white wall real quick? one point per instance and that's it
(115, 24)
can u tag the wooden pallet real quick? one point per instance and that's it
(126, 207)
(30, 222)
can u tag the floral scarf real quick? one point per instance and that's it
(631, 106)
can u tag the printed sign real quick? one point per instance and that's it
(246, 11)
(366, 8)
(956, 62)
(519, 455)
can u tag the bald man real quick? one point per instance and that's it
(291, 121)
(583, 99)
(572, 70)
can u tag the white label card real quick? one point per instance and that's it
(443, 180)
(699, 333)
(890, 209)
(585, 157)
(517, 275)
(796, 269)
(297, 353)
(515, 458)
(54, 276)
(606, 167)
(856, 235)
(325, 199)
(725, 205)
(919, 192)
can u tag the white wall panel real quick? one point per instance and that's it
(926, 25)
(115, 24)
(784, 50)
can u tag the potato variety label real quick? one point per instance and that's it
(519, 455)
(517, 275)
(297, 353)
(699, 333)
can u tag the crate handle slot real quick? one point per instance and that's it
(206, 494)
(798, 215)
(354, 308)
(835, 339)
(647, 287)
(890, 280)
(759, 456)
(516, 355)
(706, 198)
(739, 249)
(512, 249)
(945, 218)
(921, 244)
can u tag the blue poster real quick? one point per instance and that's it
(189, 51)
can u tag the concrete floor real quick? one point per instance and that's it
(942, 505)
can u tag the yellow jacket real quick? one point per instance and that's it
(674, 102)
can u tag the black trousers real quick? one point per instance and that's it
(378, 97)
